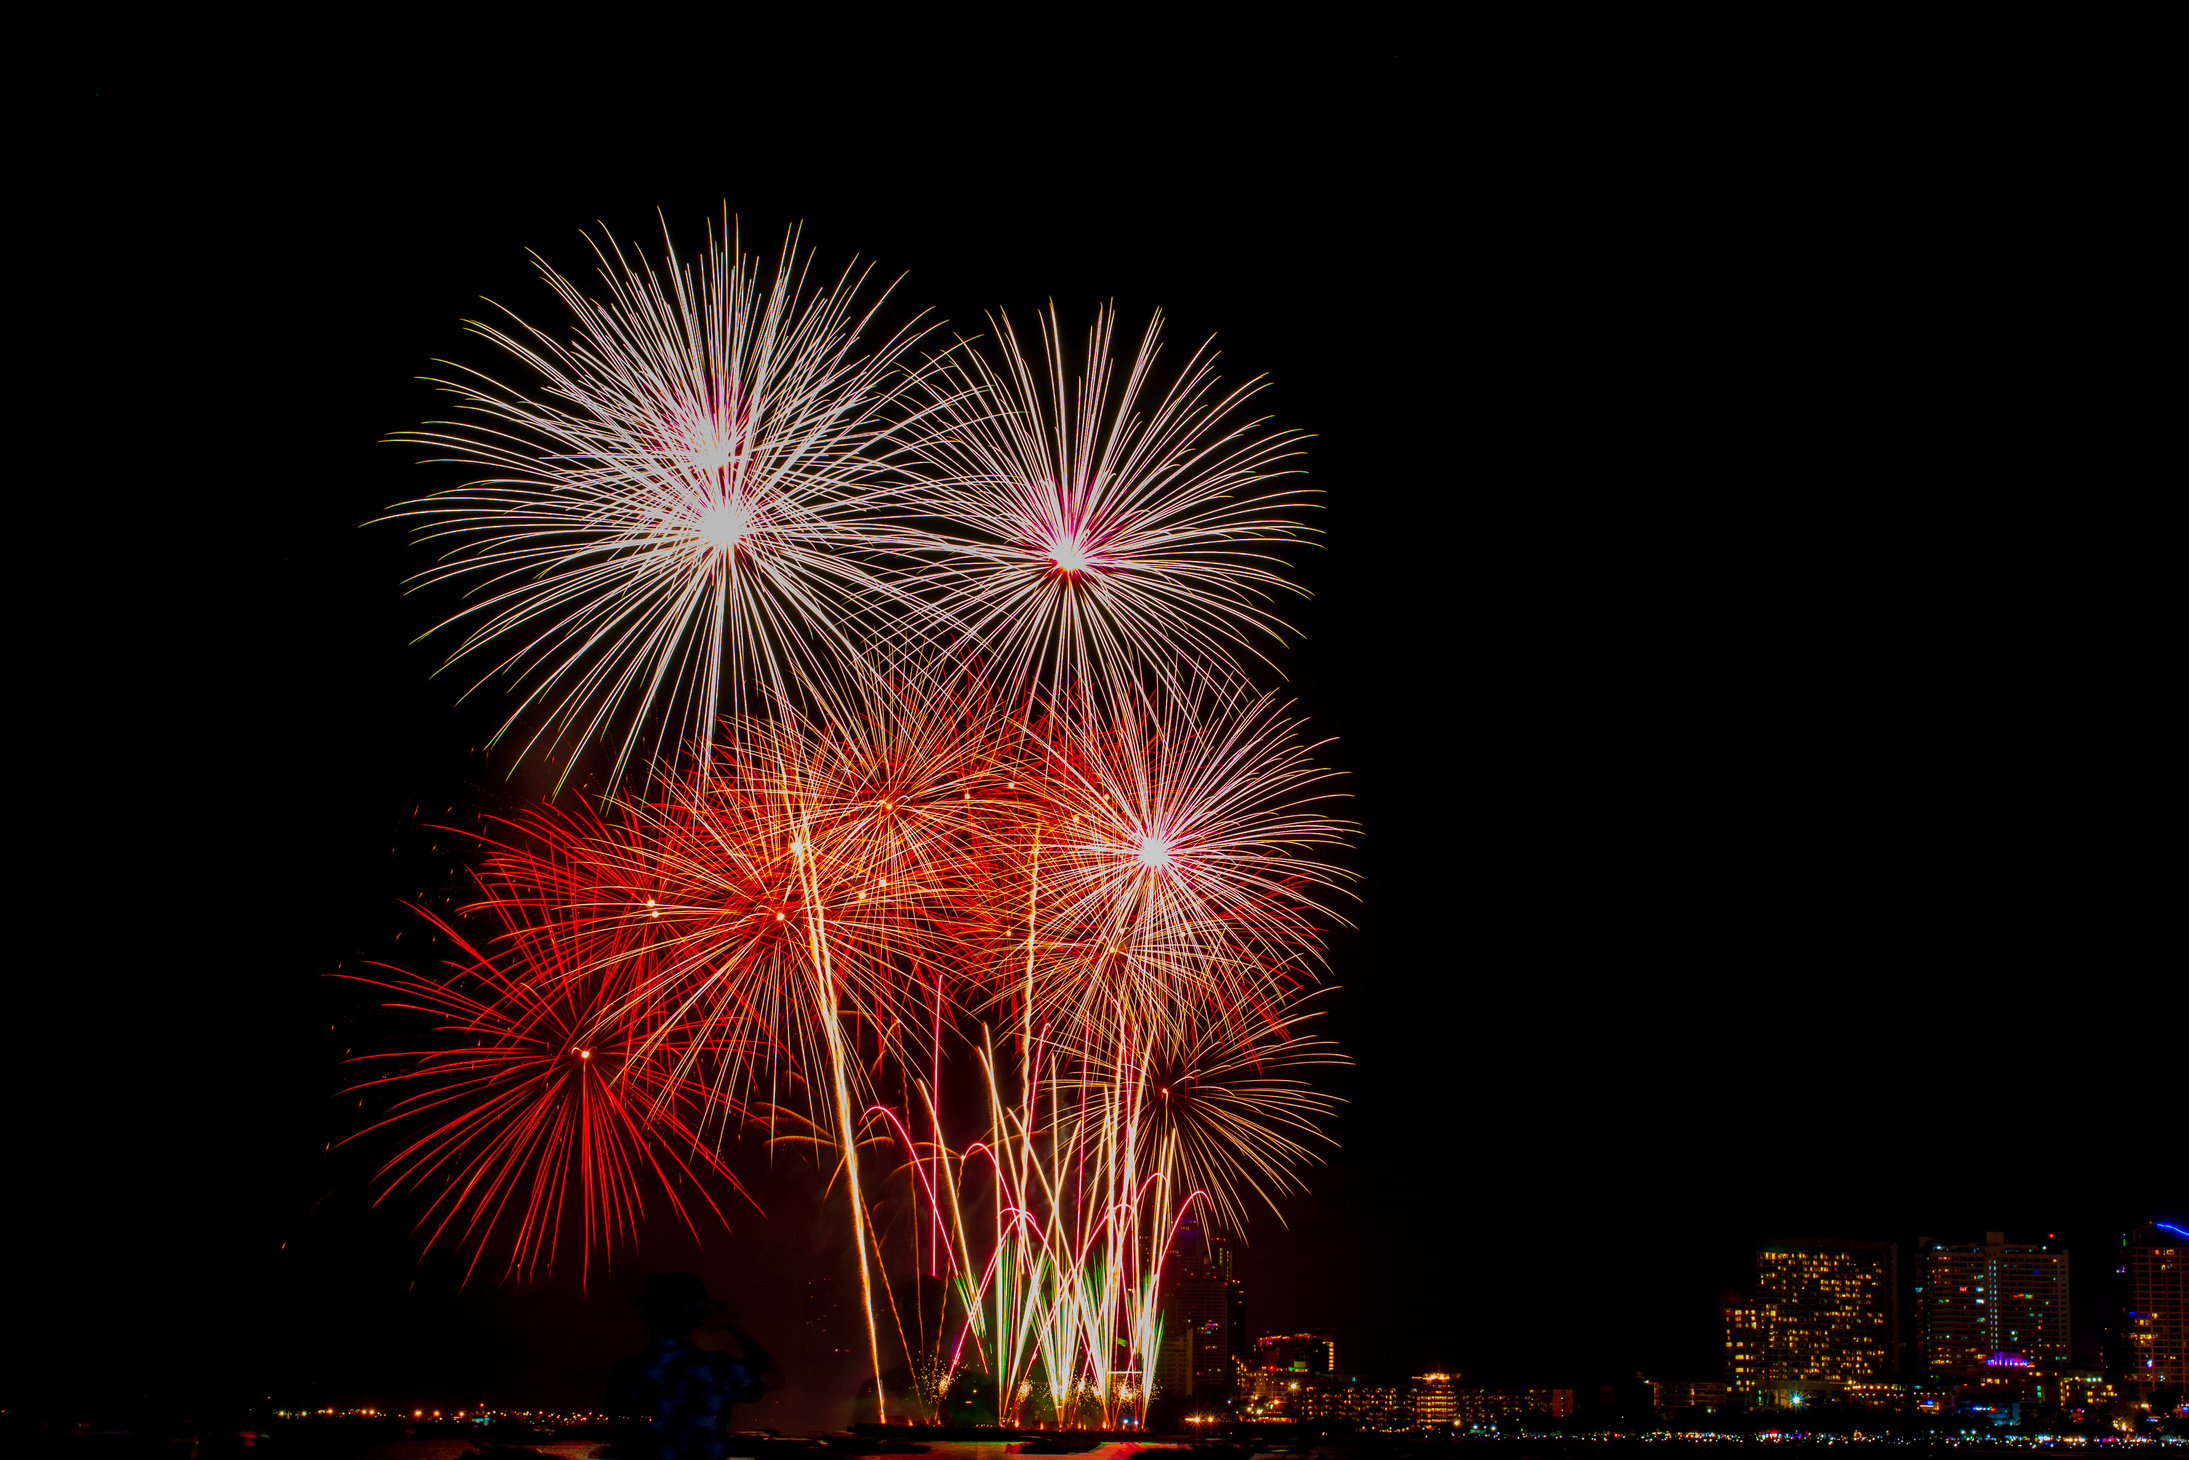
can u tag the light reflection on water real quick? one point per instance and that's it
(450, 1449)
(936, 1450)
(998, 1450)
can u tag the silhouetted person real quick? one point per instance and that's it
(679, 1391)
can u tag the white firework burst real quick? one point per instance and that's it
(684, 505)
(1180, 872)
(1095, 524)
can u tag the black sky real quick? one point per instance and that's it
(1730, 612)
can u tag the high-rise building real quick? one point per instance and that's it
(1821, 1314)
(1993, 1304)
(2154, 1324)
(1201, 1308)
(1435, 1400)
(1208, 1304)
(1299, 1353)
(1223, 1263)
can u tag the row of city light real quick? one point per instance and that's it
(481, 1415)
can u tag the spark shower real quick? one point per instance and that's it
(944, 830)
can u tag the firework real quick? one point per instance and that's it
(755, 916)
(533, 1101)
(1088, 1180)
(824, 909)
(1093, 526)
(684, 503)
(1178, 874)
(1232, 1108)
(871, 833)
(935, 666)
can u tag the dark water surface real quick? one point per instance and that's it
(1556, 1448)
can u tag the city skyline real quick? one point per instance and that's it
(1818, 1325)
(1955, 1309)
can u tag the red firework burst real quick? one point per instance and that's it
(536, 1104)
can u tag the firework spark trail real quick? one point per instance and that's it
(908, 790)
(1093, 528)
(684, 507)
(1085, 1210)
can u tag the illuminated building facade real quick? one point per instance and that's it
(1435, 1400)
(1478, 1405)
(1674, 1395)
(1343, 1398)
(1822, 1315)
(1297, 1353)
(2154, 1326)
(1993, 1304)
(1269, 1394)
(1425, 1402)
(2072, 1389)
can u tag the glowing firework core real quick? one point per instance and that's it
(1070, 558)
(725, 525)
(1155, 852)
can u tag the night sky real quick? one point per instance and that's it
(1729, 612)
